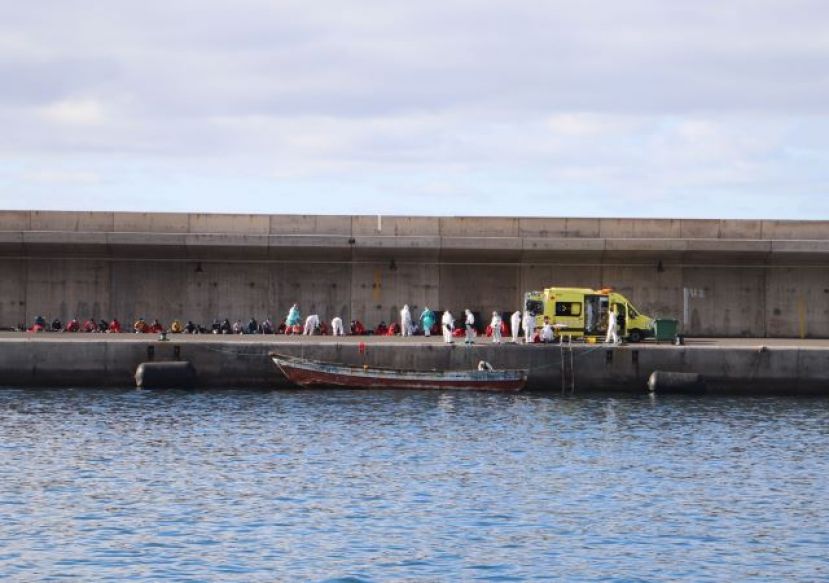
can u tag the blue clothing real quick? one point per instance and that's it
(294, 318)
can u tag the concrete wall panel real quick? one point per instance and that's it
(478, 227)
(15, 221)
(542, 228)
(741, 229)
(480, 288)
(379, 292)
(72, 221)
(13, 293)
(797, 302)
(589, 228)
(151, 223)
(318, 288)
(226, 223)
(396, 226)
(65, 289)
(699, 228)
(310, 225)
(796, 229)
(727, 301)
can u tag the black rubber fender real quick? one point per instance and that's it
(689, 383)
(178, 374)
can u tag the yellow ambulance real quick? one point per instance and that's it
(583, 312)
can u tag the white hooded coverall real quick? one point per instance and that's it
(514, 324)
(447, 325)
(311, 323)
(496, 327)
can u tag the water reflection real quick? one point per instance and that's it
(421, 486)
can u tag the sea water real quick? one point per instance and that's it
(410, 486)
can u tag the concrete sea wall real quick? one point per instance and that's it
(736, 369)
(718, 277)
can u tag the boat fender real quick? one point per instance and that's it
(484, 365)
(165, 375)
(662, 381)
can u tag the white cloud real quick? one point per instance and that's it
(383, 104)
(81, 112)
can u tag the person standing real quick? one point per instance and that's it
(405, 321)
(337, 326)
(529, 326)
(612, 327)
(495, 324)
(427, 320)
(547, 334)
(514, 324)
(470, 328)
(448, 326)
(294, 318)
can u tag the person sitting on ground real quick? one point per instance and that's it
(156, 327)
(394, 329)
(140, 326)
(190, 327)
(40, 321)
(238, 328)
(72, 325)
(114, 326)
(89, 326)
(357, 328)
(102, 326)
(267, 326)
(216, 327)
(57, 326)
(252, 327)
(227, 328)
(381, 329)
(176, 327)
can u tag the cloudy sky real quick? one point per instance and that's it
(502, 107)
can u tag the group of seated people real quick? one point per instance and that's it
(141, 326)
(74, 325)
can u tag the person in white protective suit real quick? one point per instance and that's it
(514, 324)
(612, 327)
(405, 321)
(495, 324)
(529, 326)
(337, 326)
(547, 334)
(469, 322)
(312, 322)
(447, 324)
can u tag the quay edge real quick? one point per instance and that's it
(726, 369)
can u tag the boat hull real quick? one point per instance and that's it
(308, 373)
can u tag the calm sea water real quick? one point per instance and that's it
(384, 486)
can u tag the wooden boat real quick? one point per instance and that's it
(312, 373)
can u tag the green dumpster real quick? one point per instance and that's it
(665, 329)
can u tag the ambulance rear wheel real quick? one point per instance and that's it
(635, 336)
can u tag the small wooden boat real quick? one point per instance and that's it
(312, 373)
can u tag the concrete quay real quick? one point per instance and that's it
(728, 366)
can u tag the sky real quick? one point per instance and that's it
(630, 108)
